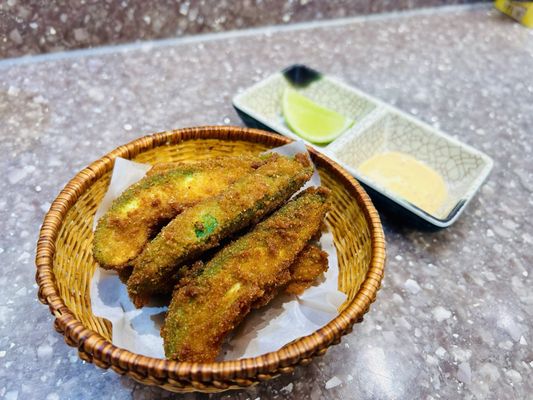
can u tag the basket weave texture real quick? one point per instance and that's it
(65, 264)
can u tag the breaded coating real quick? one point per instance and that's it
(308, 266)
(210, 304)
(162, 167)
(202, 226)
(139, 212)
(124, 274)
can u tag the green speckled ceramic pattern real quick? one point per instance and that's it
(263, 101)
(462, 167)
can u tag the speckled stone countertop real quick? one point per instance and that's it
(36, 26)
(453, 319)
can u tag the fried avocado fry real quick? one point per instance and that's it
(210, 305)
(308, 266)
(202, 226)
(136, 214)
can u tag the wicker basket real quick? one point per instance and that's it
(65, 264)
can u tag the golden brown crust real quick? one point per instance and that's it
(138, 213)
(209, 305)
(203, 226)
(309, 265)
(124, 274)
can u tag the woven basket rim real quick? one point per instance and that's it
(101, 349)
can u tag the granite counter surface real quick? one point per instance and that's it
(453, 319)
(36, 26)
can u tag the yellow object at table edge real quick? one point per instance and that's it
(521, 11)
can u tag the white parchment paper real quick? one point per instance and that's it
(286, 318)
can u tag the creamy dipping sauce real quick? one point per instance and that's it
(408, 178)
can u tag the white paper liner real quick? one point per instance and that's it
(286, 318)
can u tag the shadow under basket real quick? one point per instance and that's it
(65, 264)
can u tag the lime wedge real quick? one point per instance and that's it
(311, 121)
